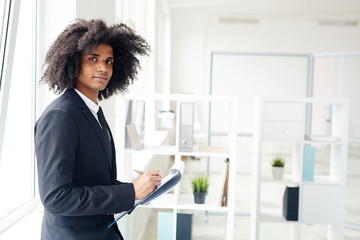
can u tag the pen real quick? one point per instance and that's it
(139, 172)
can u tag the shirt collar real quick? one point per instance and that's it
(90, 104)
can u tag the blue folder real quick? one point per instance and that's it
(308, 164)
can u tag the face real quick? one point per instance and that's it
(96, 71)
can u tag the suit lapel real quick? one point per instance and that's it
(113, 165)
(93, 122)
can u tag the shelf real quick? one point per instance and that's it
(226, 149)
(321, 201)
(305, 142)
(324, 143)
(326, 180)
(288, 179)
(171, 150)
(282, 141)
(181, 97)
(306, 100)
(159, 150)
(185, 202)
(325, 139)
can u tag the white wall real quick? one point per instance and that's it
(196, 31)
(93, 9)
(259, 26)
(53, 17)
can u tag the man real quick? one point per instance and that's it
(75, 150)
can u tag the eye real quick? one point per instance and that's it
(109, 62)
(92, 59)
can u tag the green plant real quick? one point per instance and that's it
(278, 162)
(200, 183)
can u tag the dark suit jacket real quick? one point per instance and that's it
(77, 176)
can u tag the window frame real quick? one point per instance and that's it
(8, 35)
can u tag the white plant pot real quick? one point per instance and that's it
(278, 172)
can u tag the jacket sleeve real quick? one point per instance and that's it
(56, 139)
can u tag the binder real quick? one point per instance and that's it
(184, 226)
(166, 222)
(186, 127)
(291, 203)
(165, 225)
(135, 125)
(133, 136)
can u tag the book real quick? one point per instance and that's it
(223, 193)
(308, 163)
(222, 184)
(133, 136)
(224, 198)
(213, 149)
(167, 184)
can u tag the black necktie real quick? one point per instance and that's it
(104, 129)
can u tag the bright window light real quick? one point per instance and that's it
(17, 156)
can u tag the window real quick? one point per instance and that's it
(2, 33)
(17, 171)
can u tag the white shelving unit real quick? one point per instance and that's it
(177, 201)
(282, 121)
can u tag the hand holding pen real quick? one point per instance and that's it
(146, 182)
(138, 172)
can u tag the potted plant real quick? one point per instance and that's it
(278, 164)
(200, 186)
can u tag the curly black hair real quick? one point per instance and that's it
(63, 60)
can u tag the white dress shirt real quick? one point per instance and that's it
(94, 108)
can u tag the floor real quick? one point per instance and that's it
(214, 228)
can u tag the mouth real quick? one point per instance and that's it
(101, 78)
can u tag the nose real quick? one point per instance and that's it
(101, 67)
